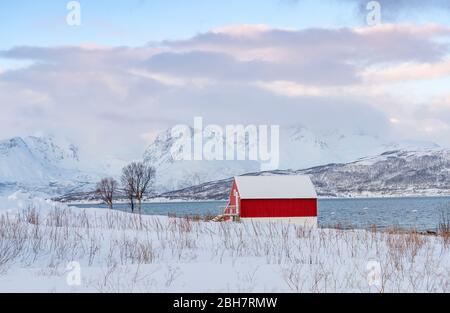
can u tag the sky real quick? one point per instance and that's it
(135, 68)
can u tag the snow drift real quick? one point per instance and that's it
(54, 248)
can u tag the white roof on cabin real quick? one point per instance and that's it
(276, 187)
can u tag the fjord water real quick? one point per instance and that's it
(422, 214)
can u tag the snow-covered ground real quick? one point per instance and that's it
(50, 247)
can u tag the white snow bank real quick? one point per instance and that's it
(20, 201)
(94, 250)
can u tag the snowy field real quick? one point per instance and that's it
(50, 247)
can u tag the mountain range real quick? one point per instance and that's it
(395, 173)
(56, 167)
(300, 148)
(47, 166)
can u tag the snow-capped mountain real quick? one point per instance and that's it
(54, 167)
(303, 148)
(173, 174)
(35, 160)
(396, 173)
(299, 148)
(44, 165)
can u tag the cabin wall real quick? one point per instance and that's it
(309, 222)
(232, 202)
(232, 197)
(278, 208)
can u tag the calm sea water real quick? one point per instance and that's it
(406, 213)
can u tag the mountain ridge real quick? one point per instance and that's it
(42, 165)
(393, 173)
(45, 165)
(300, 148)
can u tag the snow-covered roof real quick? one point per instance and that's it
(276, 187)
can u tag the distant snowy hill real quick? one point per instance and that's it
(50, 166)
(172, 175)
(45, 165)
(303, 148)
(299, 148)
(36, 160)
(396, 173)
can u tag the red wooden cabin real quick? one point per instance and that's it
(274, 198)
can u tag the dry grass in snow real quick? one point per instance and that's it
(119, 252)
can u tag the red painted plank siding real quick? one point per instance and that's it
(231, 209)
(232, 197)
(278, 208)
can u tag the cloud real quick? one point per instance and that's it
(395, 6)
(223, 67)
(392, 9)
(408, 71)
(108, 97)
(437, 109)
(385, 43)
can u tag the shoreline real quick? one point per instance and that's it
(166, 200)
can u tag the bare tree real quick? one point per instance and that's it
(145, 176)
(106, 189)
(137, 180)
(129, 184)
